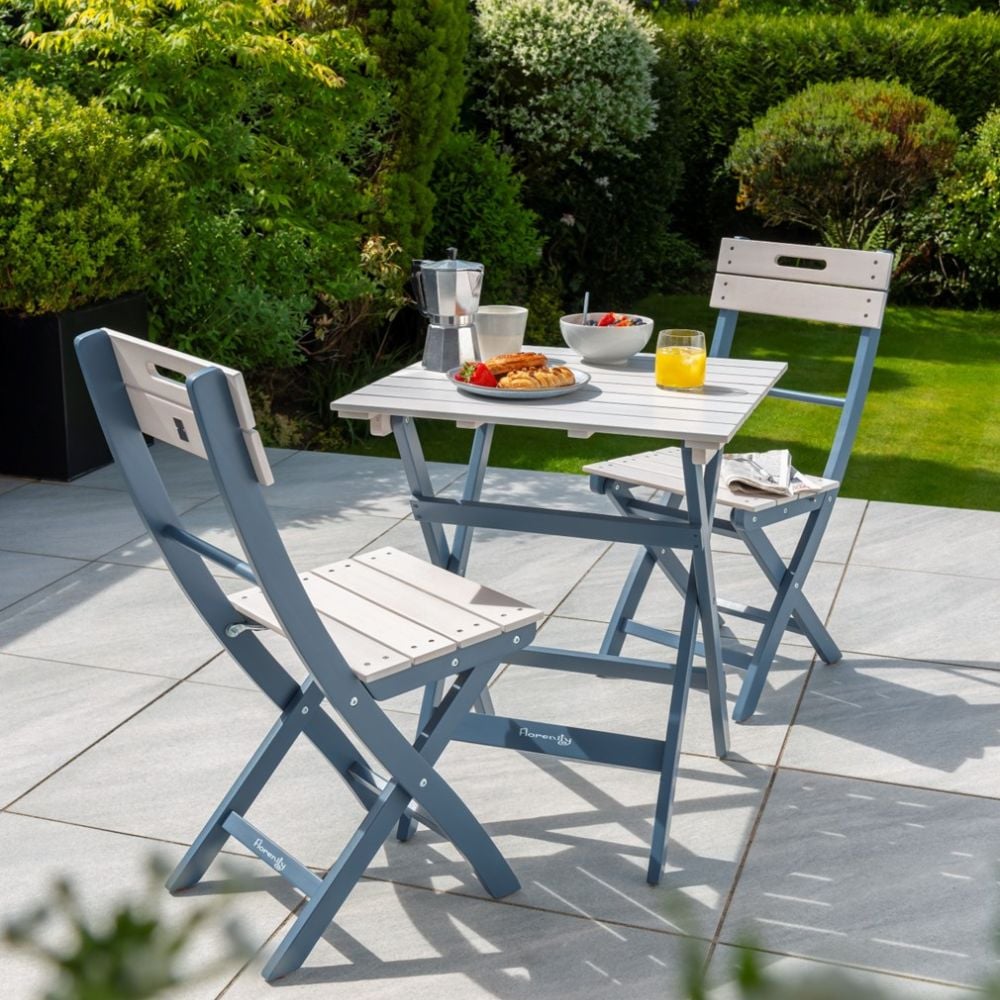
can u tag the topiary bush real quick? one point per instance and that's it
(731, 70)
(844, 159)
(564, 78)
(85, 212)
(478, 208)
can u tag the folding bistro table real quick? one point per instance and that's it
(616, 400)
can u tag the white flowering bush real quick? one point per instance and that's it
(567, 77)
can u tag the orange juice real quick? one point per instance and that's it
(680, 367)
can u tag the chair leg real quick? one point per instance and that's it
(447, 810)
(432, 697)
(789, 600)
(244, 790)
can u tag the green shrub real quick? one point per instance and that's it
(787, 7)
(478, 209)
(971, 209)
(421, 49)
(844, 159)
(85, 213)
(608, 220)
(563, 78)
(731, 70)
(266, 118)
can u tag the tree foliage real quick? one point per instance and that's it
(421, 49)
(264, 119)
(85, 213)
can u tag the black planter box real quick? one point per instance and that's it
(49, 428)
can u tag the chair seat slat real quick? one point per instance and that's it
(454, 621)
(369, 659)
(480, 600)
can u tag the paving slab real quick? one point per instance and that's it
(737, 578)
(22, 574)
(930, 539)
(577, 835)
(52, 711)
(398, 943)
(820, 979)
(107, 871)
(641, 708)
(12, 483)
(312, 538)
(334, 482)
(111, 616)
(926, 724)
(75, 523)
(918, 616)
(901, 880)
(184, 475)
(838, 538)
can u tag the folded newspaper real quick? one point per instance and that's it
(769, 472)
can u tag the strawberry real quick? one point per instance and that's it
(476, 373)
(608, 319)
(624, 321)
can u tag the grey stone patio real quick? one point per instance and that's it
(856, 823)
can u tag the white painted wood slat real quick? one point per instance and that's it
(852, 268)
(368, 658)
(403, 599)
(387, 611)
(458, 590)
(856, 307)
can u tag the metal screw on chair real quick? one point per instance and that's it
(517, 640)
(454, 662)
(423, 782)
(354, 702)
(305, 709)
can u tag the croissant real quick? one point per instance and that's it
(537, 378)
(504, 364)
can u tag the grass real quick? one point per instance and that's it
(930, 433)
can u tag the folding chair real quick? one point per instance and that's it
(843, 287)
(366, 629)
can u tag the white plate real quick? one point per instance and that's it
(582, 378)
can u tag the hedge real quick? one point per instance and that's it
(731, 70)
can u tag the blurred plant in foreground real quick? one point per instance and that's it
(132, 953)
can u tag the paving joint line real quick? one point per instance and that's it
(59, 579)
(103, 737)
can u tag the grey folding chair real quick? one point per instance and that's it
(831, 286)
(366, 629)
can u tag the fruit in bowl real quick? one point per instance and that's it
(606, 338)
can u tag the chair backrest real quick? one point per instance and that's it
(821, 284)
(141, 388)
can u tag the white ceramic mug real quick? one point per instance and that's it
(500, 330)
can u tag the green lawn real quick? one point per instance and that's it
(930, 432)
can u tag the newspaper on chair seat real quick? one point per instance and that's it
(767, 472)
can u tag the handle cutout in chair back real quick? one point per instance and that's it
(155, 379)
(806, 263)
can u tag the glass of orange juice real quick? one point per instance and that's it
(680, 359)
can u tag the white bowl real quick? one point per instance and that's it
(605, 345)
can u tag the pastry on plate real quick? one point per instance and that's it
(504, 364)
(537, 378)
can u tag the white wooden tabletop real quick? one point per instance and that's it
(620, 399)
